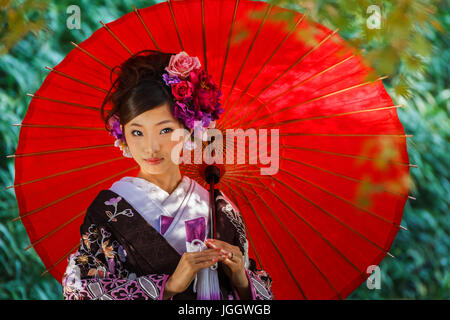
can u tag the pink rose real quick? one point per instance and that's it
(182, 64)
(182, 90)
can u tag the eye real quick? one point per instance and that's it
(132, 132)
(167, 129)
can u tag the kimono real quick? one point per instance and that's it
(134, 234)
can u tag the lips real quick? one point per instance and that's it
(154, 160)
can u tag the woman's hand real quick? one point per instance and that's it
(187, 268)
(233, 263)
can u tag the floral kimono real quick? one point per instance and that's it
(135, 233)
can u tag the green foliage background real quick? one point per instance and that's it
(414, 53)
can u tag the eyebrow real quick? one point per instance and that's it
(138, 125)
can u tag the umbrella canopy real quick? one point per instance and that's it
(334, 205)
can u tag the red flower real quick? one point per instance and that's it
(182, 90)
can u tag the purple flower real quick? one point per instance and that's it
(130, 291)
(170, 79)
(114, 124)
(184, 114)
(113, 201)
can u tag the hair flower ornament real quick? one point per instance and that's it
(196, 99)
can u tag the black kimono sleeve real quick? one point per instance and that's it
(96, 270)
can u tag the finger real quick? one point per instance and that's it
(230, 264)
(206, 256)
(203, 253)
(206, 264)
(219, 244)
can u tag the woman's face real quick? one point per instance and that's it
(149, 136)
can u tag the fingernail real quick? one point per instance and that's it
(212, 245)
(223, 251)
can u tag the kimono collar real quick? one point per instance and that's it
(167, 213)
(155, 192)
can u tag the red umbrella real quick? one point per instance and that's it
(335, 205)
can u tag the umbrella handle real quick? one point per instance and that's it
(212, 175)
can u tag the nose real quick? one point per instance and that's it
(152, 147)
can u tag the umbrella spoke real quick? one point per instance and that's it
(313, 100)
(56, 127)
(117, 38)
(262, 68)
(76, 79)
(64, 102)
(272, 241)
(26, 214)
(93, 57)
(60, 150)
(247, 232)
(146, 28)
(266, 14)
(288, 69)
(241, 181)
(342, 199)
(296, 241)
(347, 155)
(332, 216)
(65, 172)
(55, 230)
(330, 116)
(346, 135)
(61, 259)
(316, 231)
(228, 42)
(205, 57)
(375, 186)
(290, 89)
(169, 3)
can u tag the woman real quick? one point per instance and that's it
(146, 237)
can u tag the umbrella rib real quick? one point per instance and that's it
(169, 3)
(239, 180)
(71, 194)
(146, 28)
(376, 186)
(229, 41)
(298, 243)
(343, 199)
(204, 36)
(301, 83)
(93, 57)
(262, 68)
(64, 172)
(346, 135)
(269, 8)
(54, 127)
(64, 102)
(116, 37)
(292, 66)
(309, 225)
(273, 243)
(60, 259)
(59, 150)
(333, 115)
(347, 155)
(314, 99)
(332, 216)
(232, 194)
(55, 230)
(76, 79)
(315, 230)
